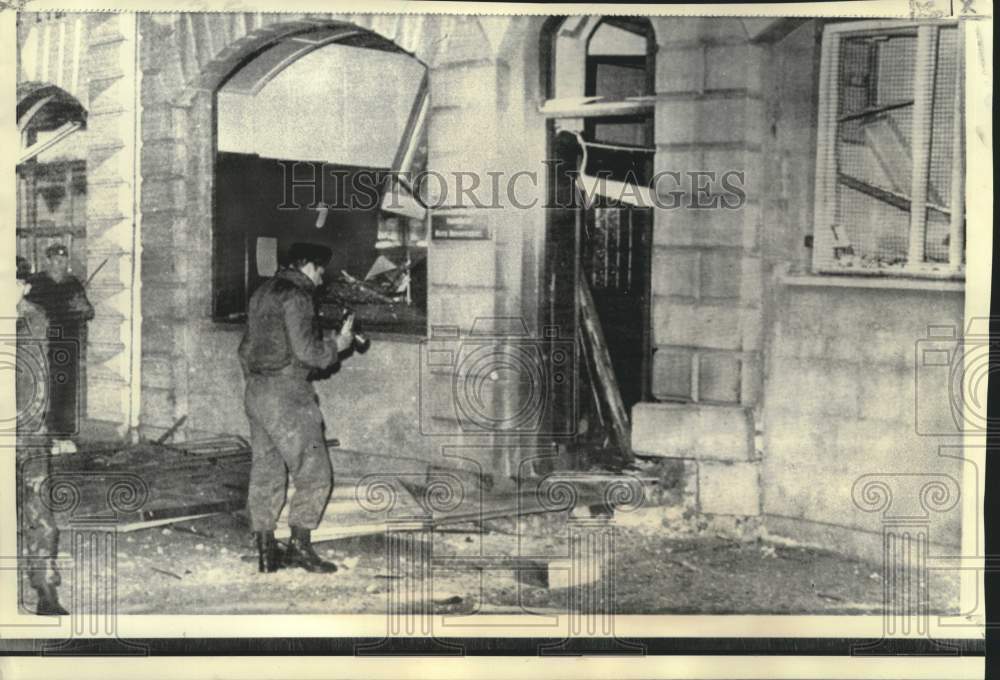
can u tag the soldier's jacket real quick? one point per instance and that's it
(283, 334)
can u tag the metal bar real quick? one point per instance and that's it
(890, 197)
(874, 110)
(607, 247)
(956, 230)
(618, 249)
(631, 252)
(923, 108)
(62, 133)
(622, 147)
(414, 129)
(602, 109)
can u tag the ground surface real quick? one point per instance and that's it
(208, 566)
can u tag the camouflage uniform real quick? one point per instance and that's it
(283, 344)
(39, 537)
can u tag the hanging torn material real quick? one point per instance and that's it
(611, 172)
(400, 199)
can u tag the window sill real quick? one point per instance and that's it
(869, 281)
(588, 107)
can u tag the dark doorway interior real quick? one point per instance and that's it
(608, 242)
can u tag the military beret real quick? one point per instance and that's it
(318, 254)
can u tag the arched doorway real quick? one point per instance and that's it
(599, 78)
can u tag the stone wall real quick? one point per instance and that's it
(784, 388)
(711, 115)
(841, 403)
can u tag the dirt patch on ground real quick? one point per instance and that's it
(209, 566)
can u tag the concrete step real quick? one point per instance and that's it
(697, 431)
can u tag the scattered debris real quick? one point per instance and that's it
(351, 562)
(828, 596)
(449, 600)
(190, 530)
(684, 563)
(373, 589)
(788, 555)
(167, 573)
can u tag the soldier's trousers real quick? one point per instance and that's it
(38, 537)
(286, 433)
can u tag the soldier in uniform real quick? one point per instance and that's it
(283, 344)
(65, 302)
(39, 537)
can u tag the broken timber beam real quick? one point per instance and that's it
(593, 337)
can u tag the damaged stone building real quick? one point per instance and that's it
(766, 350)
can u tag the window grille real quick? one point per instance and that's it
(890, 167)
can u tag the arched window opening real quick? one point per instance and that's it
(316, 137)
(51, 177)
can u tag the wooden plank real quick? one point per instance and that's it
(138, 526)
(607, 382)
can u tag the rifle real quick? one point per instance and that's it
(94, 273)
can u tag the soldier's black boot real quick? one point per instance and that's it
(48, 601)
(269, 557)
(301, 553)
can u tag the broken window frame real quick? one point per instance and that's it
(230, 300)
(829, 236)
